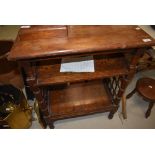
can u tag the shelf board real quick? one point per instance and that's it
(49, 72)
(79, 99)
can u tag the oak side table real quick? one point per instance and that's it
(115, 50)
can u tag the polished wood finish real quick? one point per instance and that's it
(48, 72)
(116, 51)
(146, 89)
(42, 32)
(79, 40)
(74, 100)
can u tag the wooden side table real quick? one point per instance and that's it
(115, 49)
(145, 87)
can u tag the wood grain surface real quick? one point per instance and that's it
(48, 72)
(68, 40)
(79, 99)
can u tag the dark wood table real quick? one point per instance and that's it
(115, 49)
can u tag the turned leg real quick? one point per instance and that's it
(42, 121)
(51, 125)
(124, 113)
(148, 112)
(111, 114)
(130, 94)
(31, 80)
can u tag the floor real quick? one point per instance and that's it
(136, 107)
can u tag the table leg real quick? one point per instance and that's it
(148, 112)
(124, 113)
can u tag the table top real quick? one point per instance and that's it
(50, 41)
(146, 87)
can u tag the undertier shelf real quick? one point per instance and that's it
(79, 99)
(48, 72)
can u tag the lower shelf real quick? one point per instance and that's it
(79, 99)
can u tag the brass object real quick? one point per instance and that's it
(17, 116)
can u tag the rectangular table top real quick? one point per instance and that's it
(50, 41)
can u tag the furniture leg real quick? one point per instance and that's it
(111, 114)
(51, 125)
(130, 94)
(29, 93)
(31, 81)
(124, 107)
(43, 122)
(148, 112)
